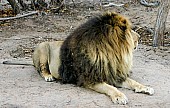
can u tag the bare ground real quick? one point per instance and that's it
(22, 87)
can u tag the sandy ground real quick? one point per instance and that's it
(22, 87)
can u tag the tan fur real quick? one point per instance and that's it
(46, 59)
(46, 56)
(42, 52)
(110, 53)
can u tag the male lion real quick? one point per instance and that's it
(97, 55)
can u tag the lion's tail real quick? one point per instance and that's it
(19, 62)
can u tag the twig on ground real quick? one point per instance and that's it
(152, 4)
(19, 16)
(113, 4)
(145, 28)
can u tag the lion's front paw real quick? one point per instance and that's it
(146, 90)
(119, 98)
(149, 91)
(49, 78)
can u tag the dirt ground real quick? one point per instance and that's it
(22, 87)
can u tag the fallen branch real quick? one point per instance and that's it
(152, 4)
(19, 16)
(38, 38)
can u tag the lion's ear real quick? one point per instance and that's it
(121, 27)
(124, 24)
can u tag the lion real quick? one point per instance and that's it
(97, 55)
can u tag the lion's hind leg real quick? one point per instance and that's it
(40, 59)
(44, 72)
(137, 87)
(115, 95)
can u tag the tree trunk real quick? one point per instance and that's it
(158, 36)
(14, 6)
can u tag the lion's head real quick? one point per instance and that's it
(99, 50)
